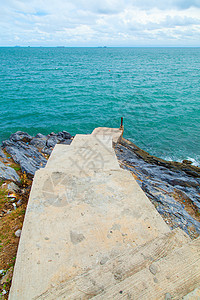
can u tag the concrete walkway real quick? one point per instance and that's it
(91, 232)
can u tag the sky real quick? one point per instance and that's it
(88, 23)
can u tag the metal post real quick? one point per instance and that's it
(122, 120)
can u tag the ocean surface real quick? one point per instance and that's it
(156, 90)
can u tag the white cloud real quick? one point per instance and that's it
(93, 23)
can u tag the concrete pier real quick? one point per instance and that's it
(91, 232)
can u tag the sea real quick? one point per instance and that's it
(155, 90)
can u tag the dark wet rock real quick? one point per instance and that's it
(29, 158)
(2, 154)
(7, 173)
(52, 134)
(173, 165)
(187, 162)
(21, 136)
(51, 141)
(39, 143)
(40, 136)
(7, 143)
(64, 135)
(190, 172)
(65, 142)
(174, 191)
(182, 182)
(47, 150)
(25, 149)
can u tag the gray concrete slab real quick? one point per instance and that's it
(85, 153)
(116, 133)
(74, 221)
(171, 277)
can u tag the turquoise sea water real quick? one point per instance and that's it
(156, 90)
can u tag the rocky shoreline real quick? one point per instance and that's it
(31, 153)
(173, 187)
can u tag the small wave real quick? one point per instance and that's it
(194, 161)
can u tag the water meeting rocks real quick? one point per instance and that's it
(170, 186)
(28, 151)
(21, 136)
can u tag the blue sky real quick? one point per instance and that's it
(99, 23)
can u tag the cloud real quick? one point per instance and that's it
(93, 23)
(165, 5)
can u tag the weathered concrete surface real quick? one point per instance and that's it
(89, 228)
(115, 133)
(110, 272)
(86, 152)
(175, 275)
(73, 221)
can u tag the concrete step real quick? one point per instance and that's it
(86, 152)
(171, 277)
(73, 221)
(110, 272)
(116, 133)
(92, 141)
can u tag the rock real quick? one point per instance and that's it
(51, 141)
(187, 162)
(190, 172)
(7, 143)
(2, 154)
(65, 142)
(12, 187)
(183, 182)
(39, 143)
(46, 150)
(8, 276)
(29, 158)
(40, 136)
(52, 134)
(18, 233)
(7, 173)
(21, 136)
(64, 135)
